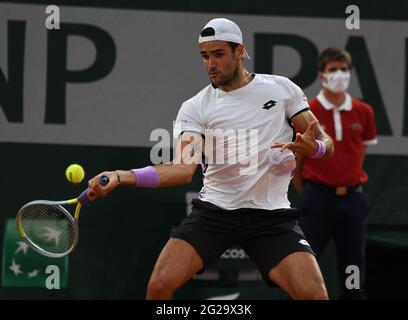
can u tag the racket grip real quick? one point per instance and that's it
(83, 197)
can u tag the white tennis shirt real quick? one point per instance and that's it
(240, 169)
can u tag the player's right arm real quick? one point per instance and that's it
(177, 172)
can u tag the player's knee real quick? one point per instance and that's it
(317, 292)
(159, 286)
(311, 291)
(156, 286)
(320, 294)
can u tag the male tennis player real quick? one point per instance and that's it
(241, 202)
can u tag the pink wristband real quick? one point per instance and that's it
(321, 149)
(146, 177)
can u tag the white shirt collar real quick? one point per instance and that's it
(346, 105)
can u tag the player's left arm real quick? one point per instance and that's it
(307, 140)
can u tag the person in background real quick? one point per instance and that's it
(332, 204)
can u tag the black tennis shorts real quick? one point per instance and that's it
(267, 236)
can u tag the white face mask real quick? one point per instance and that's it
(337, 81)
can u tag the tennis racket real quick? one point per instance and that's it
(48, 228)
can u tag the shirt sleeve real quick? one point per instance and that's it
(188, 119)
(298, 100)
(370, 132)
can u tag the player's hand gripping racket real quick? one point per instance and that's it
(49, 228)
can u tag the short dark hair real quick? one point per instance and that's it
(333, 54)
(233, 45)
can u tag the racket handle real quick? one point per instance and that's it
(83, 197)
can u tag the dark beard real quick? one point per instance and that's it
(227, 79)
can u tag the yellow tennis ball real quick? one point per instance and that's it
(75, 173)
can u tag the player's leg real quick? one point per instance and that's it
(200, 239)
(177, 263)
(279, 249)
(299, 275)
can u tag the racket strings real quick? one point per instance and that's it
(48, 227)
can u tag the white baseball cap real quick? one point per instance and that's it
(224, 30)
